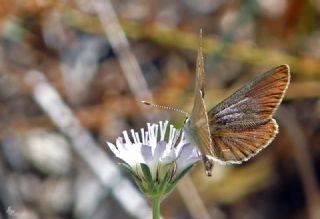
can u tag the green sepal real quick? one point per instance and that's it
(146, 172)
(169, 188)
(164, 183)
(148, 177)
(167, 168)
(142, 188)
(135, 176)
(128, 169)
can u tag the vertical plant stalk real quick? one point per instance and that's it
(156, 202)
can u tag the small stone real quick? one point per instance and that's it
(49, 152)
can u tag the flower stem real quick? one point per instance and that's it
(156, 207)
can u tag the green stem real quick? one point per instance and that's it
(156, 207)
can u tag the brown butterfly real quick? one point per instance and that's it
(241, 125)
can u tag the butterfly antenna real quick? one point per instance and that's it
(165, 108)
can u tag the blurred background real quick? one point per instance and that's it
(72, 74)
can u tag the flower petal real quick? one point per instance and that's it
(161, 146)
(188, 156)
(113, 148)
(168, 156)
(146, 152)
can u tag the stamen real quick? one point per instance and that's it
(149, 132)
(143, 136)
(147, 137)
(133, 136)
(126, 137)
(176, 138)
(152, 136)
(137, 137)
(182, 137)
(171, 135)
(156, 132)
(163, 128)
(180, 144)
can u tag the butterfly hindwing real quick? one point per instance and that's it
(242, 124)
(235, 146)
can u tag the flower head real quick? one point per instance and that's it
(157, 157)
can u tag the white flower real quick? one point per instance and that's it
(156, 155)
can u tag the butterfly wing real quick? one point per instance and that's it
(197, 127)
(242, 124)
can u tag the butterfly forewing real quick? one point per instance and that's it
(242, 124)
(199, 73)
(258, 99)
(198, 121)
(198, 126)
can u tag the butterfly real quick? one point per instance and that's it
(241, 125)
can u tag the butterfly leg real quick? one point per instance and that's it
(208, 164)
